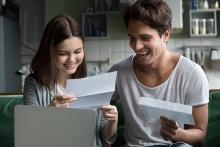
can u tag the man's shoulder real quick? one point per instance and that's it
(187, 62)
(187, 65)
(122, 64)
(189, 68)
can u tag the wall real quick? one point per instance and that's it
(120, 49)
(75, 8)
(117, 47)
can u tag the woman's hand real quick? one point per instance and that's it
(62, 100)
(109, 112)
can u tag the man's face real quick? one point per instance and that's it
(146, 42)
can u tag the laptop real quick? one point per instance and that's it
(37, 126)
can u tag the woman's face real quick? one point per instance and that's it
(69, 55)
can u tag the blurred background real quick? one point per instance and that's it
(195, 34)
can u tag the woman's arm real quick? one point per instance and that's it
(30, 91)
(39, 95)
(110, 114)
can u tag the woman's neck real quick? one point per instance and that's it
(61, 80)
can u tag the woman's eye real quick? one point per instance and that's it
(62, 54)
(78, 51)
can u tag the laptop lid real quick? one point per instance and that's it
(37, 126)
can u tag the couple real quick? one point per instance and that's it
(152, 72)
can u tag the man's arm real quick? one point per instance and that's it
(106, 145)
(112, 102)
(193, 135)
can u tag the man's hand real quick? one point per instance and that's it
(168, 129)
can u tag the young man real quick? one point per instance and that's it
(158, 73)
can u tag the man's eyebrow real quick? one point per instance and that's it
(129, 35)
(142, 35)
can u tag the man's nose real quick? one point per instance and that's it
(138, 45)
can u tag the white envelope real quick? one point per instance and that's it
(92, 92)
(177, 112)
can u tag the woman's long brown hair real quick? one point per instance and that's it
(43, 64)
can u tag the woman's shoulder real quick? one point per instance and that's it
(32, 80)
(30, 77)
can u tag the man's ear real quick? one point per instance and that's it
(166, 35)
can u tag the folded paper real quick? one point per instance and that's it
(92, 92)
(177, 112)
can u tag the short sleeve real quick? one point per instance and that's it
(197, 92)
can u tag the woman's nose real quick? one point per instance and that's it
(72, 58)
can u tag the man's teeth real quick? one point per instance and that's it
(143, 53)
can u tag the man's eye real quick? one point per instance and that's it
(145, 38)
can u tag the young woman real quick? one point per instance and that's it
(60, 57)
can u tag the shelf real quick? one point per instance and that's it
(203, 10)
(107, 6)
(95, 25)
(210, 5)
(203, 35)
(203, 14)
(109, 12)
(215, 9)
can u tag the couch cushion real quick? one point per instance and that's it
(213, 132)
(120, 141)
(7, 103)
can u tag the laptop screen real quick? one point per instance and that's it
(37, 126)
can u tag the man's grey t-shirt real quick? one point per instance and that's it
(187, 85)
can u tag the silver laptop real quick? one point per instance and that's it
(37, 126)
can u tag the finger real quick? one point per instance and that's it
(68, 96)
(108, 108)
(67, 100)
(109, 116)
(64, 105)
(64, 97)
(167, 129)
(169, 122)
(166, 135)
(56, 97)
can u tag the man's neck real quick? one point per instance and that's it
(157, 72)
